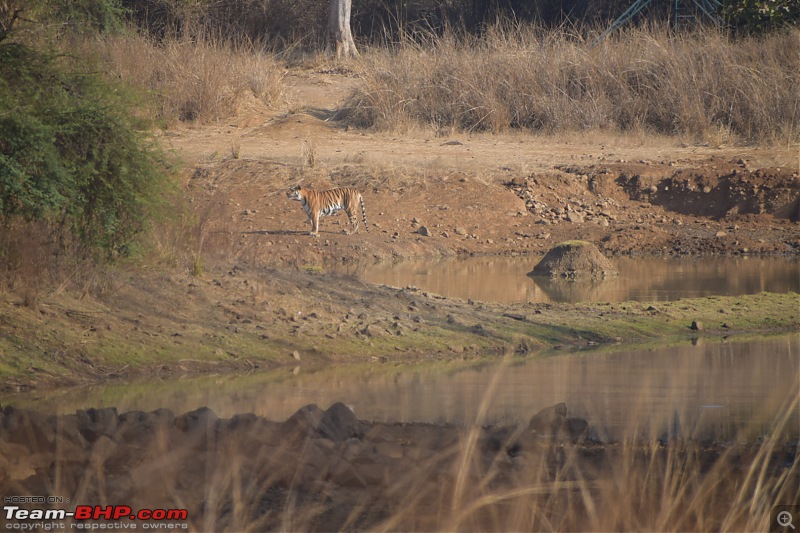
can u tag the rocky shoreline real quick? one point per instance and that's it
(327, 470)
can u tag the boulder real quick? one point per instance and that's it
(202, 418)
(95, 423)
(574, 260)
(554, 422)
(549, 420)
(29, 428)
(339, 423)
(305, 421)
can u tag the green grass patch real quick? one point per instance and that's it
(64, 340)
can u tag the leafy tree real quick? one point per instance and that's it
(758, 16)
(71, 154)
(88, 16)
(77, 16)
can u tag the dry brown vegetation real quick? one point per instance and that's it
(701, 85)
(329, 472)
(191, 80)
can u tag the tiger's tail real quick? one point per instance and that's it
(363, 212)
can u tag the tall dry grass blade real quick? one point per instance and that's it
(193, 79)
(754, 494)
(703, 85)
(469, 445)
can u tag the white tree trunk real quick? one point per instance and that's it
(339, 33)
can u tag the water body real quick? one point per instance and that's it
(505, 280)
(723, 389)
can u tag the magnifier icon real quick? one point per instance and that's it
(785, 519)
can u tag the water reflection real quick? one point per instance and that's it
(720, 388)
(505, 280)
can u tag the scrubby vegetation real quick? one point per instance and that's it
(191, 80)
(291, 24)
(700, 84)
(81, 171)
(83, 84)
(72, 154)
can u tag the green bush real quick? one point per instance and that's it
(88, 16)
(70, 16)
(759, 16)
(71, 153)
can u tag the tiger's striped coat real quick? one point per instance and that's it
(319, 204)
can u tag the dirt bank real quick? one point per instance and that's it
(250, 318)
(478, 194)
(700, 208)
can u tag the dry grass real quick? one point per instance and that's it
(36, 259)
(700, 84)
(271, 482)
(674, 484)
(308, 153)
(192, 80)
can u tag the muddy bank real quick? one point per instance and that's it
(246, 318)
(706, 207)
(328, 470)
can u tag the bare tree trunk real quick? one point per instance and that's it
(339, 28)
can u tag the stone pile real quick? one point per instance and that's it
(326, 460)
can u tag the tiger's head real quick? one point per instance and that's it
(296, 193)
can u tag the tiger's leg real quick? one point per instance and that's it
(353, 221)
(314, 224)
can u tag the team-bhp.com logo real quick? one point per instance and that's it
(94, 517)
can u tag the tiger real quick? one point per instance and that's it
(325, 203)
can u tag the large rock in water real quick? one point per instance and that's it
(574, 260)
(339, 423)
